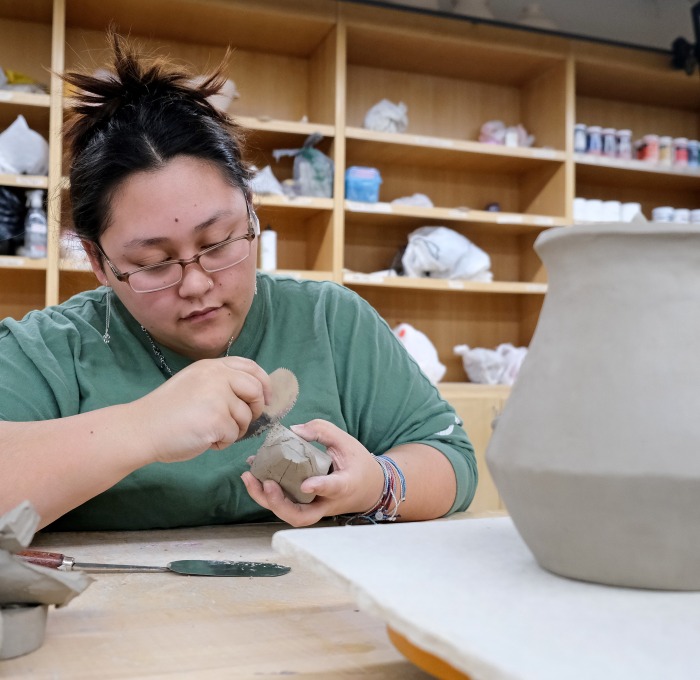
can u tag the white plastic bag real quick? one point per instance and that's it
(492, 367)
(385, 116)
(418, 345)
(22, 150)
(265, 183)
(443, 253)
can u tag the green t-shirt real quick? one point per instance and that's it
(351, 369)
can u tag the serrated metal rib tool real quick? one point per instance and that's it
(285, 390)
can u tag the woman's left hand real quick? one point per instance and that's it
(355, 484)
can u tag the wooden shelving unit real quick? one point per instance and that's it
(317, 66)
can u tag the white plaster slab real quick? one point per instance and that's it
(470, 592)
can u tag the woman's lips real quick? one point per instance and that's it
(202, 314)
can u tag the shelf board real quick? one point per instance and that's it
(601, 170)
(24, 181)
(16, 262)
(305, 205)
(305, 274)
(452, 390)
(383, 148)
(452, 285)
(636, 82)
(288, 127)
(24, 98)
(295, 29)
(384, 214)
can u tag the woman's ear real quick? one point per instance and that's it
(96, 263)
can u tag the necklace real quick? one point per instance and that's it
(160, 359)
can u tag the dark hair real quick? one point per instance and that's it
(136, 119)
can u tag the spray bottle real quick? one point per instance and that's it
(35, 225)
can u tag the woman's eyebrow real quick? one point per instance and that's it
(158, 240)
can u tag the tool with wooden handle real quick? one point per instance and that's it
(187, 567)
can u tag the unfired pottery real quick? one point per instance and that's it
(288, 459)
(27, 590)
(597, 452)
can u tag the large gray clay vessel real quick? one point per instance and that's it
(597, 452)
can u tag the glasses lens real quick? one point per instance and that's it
(225, 255)
(156, 279)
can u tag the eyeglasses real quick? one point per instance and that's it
(220, 256)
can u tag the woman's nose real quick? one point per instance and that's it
(195, 281)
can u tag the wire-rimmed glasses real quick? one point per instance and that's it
(220, 256)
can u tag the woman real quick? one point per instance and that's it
(122, 407)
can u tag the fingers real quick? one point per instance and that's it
(269, 495)
(323, 432)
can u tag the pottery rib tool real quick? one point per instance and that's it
(285, 389)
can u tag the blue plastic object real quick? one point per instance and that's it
(362, 184)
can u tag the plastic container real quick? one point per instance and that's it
(580, 140)
(268, 249)
(693, 153)
(609, 142)
(611, 211)
(595, 140)
(35, 226)
(665, 150)
(624, 144)
(629, 211)
(680, 152)
(681, 216)
(650, 149)
(580, 209)
(663, 213)
(362, 184)
(695, 216)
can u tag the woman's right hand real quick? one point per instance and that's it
(207, 405)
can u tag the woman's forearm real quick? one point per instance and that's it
(59, 464)
(431, 485)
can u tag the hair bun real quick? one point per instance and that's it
(102, 96)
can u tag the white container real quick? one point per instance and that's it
(629, 211)
(594, 209)
(681, 216)
(611, 211)
(663, 213)
(580, 209)
(268, 249)
(695, 216)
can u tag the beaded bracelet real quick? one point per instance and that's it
(386, 509)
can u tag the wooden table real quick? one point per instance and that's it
(162, 625)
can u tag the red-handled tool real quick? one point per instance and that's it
(187, 567)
